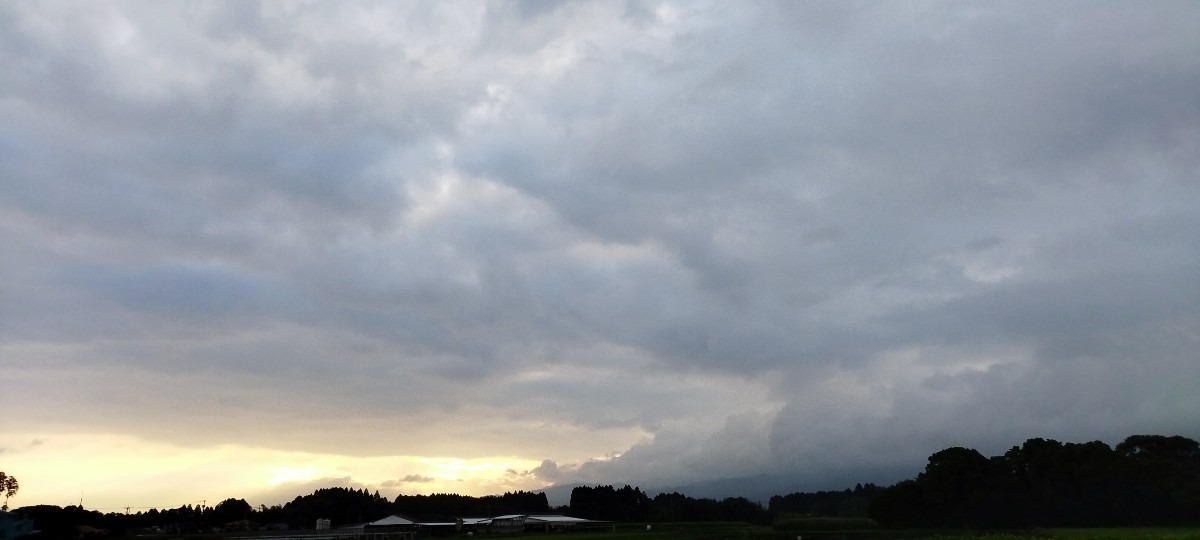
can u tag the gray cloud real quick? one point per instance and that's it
(408, 479)
(547, 471)
(717, 240)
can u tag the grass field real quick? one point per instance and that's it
(742, 531)
(1157, 533)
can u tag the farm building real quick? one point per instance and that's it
(395, 524)
(549, 523)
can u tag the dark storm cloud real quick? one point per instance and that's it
(775, 236)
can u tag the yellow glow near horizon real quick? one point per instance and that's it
(111, 472)
(282, 475)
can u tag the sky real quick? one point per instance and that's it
(252, 249)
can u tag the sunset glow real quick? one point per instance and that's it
(105, 469)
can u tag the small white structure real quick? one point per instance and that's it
(509, 523)
(391, 521)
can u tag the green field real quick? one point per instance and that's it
(1157, 533)
(741, 531)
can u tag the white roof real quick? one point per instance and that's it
(390, 520)
(557, 519)
(394, 520)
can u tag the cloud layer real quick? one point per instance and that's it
(641, 242)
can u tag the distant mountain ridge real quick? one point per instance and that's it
(758, 488)
(560, 494)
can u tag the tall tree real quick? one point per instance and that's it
(231, 510)
(1145, 480)
(9, 487)
(1167, 472)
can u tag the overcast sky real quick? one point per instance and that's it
(247, 250)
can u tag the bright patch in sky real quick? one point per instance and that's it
(103, 468)
(281, 475)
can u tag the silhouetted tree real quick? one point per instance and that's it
(846, 503)
(1167, 475)
(628, 504)
(342, 506)
(9, 487)
(57, 523)
(1146, 480)
(451, 504)
(231, 510)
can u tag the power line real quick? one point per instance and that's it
(203, 504)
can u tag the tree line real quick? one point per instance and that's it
(1144, 480)
(342, 506)
(629, 504)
